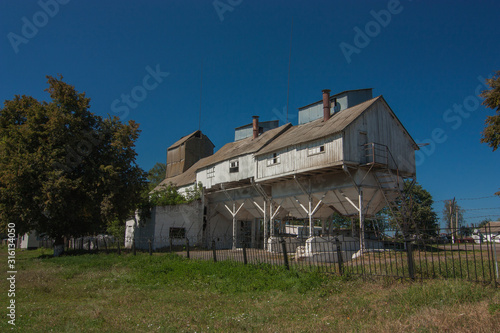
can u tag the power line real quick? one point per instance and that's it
(468, 209)
(478, 198)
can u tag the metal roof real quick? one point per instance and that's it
(227, 152)
(318, 128)
(187, 137)
(494, 227)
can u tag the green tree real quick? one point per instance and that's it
(157, 174)
(483, 223)
(420, 204)
(63, 170)
(491, 133)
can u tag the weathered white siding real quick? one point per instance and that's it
(297, 158)
(380, 126)
(219, 173)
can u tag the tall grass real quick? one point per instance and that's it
(167, 293)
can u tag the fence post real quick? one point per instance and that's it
(339, 255)
(150, 247)
(411, 268)
(285, 255)
(187, 247)
(133, 247)
(213, 249)
(170, 244)
(244, 246)
(119, 251)
(494, 258)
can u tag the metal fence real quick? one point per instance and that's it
(449, 255)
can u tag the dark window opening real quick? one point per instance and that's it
(233, 166)
(177, 232)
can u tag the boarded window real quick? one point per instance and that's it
(233, 166)
(316, 150)
(211, 172)
(273, 160)
(177, 232)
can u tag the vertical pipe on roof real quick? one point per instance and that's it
(255, 126)
(326, 104)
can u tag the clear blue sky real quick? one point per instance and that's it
(427, 58)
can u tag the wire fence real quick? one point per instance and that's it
(449, 255)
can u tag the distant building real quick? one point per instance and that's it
(489, 233)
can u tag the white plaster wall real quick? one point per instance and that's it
(157, 228)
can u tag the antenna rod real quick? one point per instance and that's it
(201, 89)
(289, 61)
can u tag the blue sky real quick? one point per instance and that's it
(427, 58)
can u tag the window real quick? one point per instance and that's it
(316, 150)
(233, 166)
(273, 160)
(211, 172)
(177, 233)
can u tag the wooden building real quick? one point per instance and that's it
(351, 158)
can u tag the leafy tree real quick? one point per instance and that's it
(65, 171)
(451, 210)
(157, 174)
(491, 133)
(483, 223)
(420, 202)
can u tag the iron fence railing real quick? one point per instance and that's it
(447, 255)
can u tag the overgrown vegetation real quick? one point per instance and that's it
(166, 293)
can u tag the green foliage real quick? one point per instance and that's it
(491, 132)
(65, 171)
(167, 196)
(421, 202)
(156, 175)
(483, 223)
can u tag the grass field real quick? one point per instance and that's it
(167, 293)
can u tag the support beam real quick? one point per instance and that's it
(311, 211)
(349, 200)
(361, 223)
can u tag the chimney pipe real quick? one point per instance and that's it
(255, 126)
(326, 104)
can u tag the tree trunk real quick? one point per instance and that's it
(58, 246)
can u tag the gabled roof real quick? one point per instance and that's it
(185, 138)
(227, 152)
(245, 146)
(494, 227)
(318, 129)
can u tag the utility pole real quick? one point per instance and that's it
(452, 204)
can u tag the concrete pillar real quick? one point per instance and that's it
(311, 223)
(265, 225)
(361, 222)
(235, 230)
